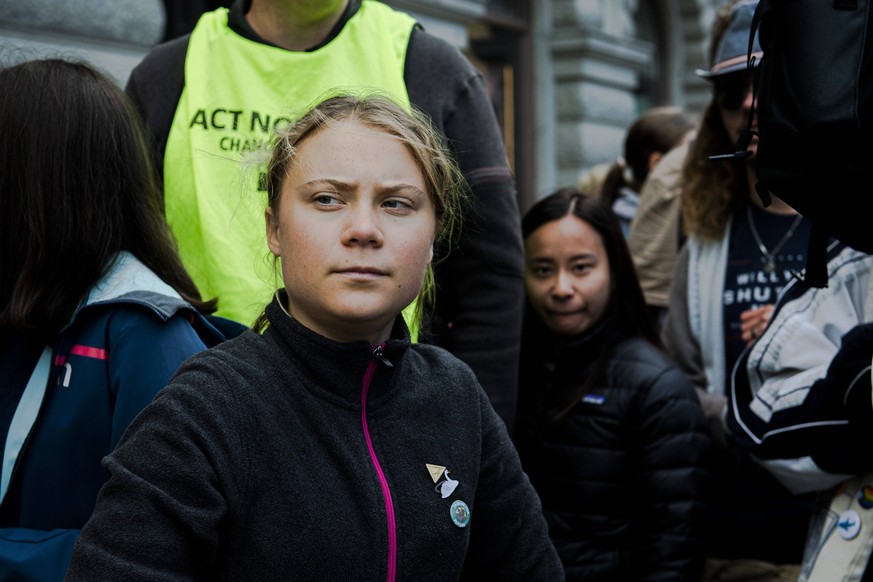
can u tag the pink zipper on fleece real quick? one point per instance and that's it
(386, 491)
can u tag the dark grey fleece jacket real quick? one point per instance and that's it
(254, 463)
(480, 293)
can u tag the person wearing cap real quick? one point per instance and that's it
(736, 258)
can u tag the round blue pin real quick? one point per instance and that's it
(460, 513)
(849, 524)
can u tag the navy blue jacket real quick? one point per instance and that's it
(119, 350)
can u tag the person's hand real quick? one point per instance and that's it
(754, 321)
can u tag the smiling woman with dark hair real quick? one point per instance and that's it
(609, 431)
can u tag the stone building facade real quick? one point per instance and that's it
(566, 76)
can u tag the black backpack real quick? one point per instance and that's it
(814, 99)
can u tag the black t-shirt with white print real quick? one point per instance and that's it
(749, 282)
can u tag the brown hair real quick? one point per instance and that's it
(443, 180)
(77, 187)
(712, 191)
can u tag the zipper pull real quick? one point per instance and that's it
(377, 354)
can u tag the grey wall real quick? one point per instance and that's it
(114, 35)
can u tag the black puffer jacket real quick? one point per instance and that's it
(620, 475)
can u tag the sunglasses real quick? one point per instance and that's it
(731, 90)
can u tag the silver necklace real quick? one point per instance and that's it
(769, 258)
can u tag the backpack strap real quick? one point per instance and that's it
(816, 265)
(25, 417)
(745, 138)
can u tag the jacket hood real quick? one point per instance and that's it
(127, 275)
(128, 279)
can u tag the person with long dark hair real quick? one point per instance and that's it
(609, 430)
(96, 309)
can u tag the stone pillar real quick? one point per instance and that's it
(596, 64)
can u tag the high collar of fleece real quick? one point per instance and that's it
(336, 366)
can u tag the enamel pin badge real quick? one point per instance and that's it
(445, 486)
(460, 513)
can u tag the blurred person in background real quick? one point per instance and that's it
(738, 256)
(655, 132)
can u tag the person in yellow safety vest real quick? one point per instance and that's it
(213, 98)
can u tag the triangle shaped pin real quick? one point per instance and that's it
(436, 471)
